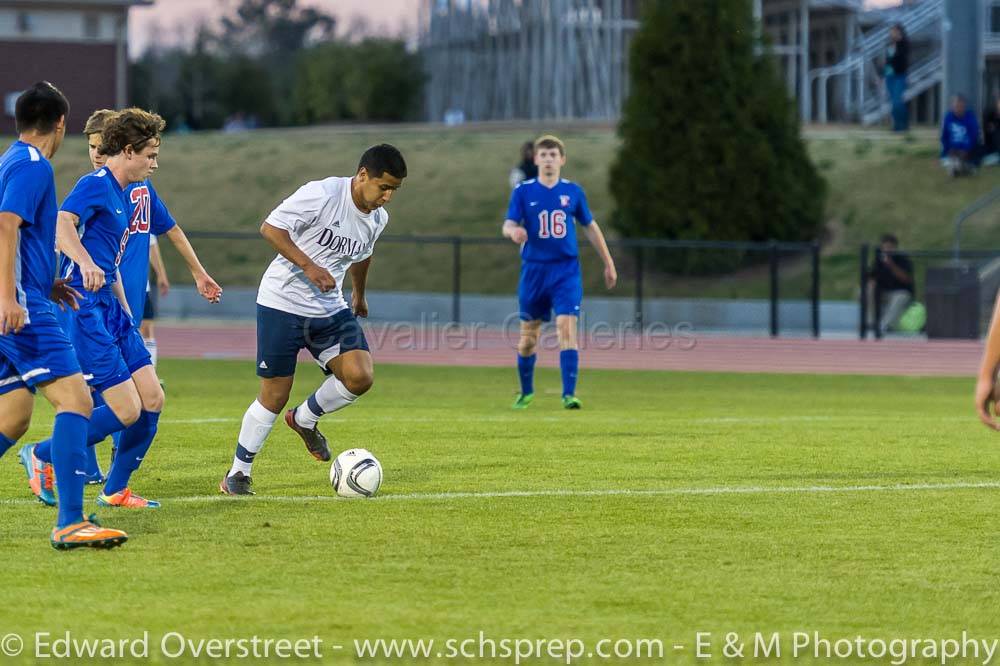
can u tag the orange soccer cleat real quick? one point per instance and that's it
(126, 499)
(86, 534)
(41, 478)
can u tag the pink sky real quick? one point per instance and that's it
(174, 20)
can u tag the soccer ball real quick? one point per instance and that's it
(356, 473)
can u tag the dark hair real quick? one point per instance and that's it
(131, 127)
(383, 158)
(902, 31)
(39, 108)
(889, 238)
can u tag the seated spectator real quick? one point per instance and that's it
(959, 139)
(891, 277)
(526, 170)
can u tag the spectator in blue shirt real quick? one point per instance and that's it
(897, 62)
(959, 138)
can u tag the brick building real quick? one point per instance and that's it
(79, 45)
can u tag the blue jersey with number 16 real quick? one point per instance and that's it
(547, 214)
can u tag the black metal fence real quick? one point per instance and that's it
(649, 270)
(957, 291)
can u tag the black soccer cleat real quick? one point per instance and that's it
(237, 484)
(314, 439)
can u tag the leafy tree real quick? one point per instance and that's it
(374, 80)
(274, 27)
(711, 145)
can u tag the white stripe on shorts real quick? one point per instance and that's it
(328, 354)
(34, 373)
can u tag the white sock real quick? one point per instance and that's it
(329, 397)
(151, 348)
(257, 424)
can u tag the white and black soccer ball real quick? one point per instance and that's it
(356, 473)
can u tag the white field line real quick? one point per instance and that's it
(654, 492)
(708, 420)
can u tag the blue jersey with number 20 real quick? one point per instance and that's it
(547, 214)
(148, 215)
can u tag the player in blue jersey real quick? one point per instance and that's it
(96, 215)
(149, 217)
(34, 350)
(540, 220)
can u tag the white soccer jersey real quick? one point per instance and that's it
(324, 223)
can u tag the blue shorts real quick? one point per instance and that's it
(548, 286)
(40, 353)
(281, 335)
(107, 341)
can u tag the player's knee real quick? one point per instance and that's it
(128, 410)
(358, 381)
(153, 400)
(273, 399)
(14, 426)
(526, 345)
(78, 402)
(567, 340)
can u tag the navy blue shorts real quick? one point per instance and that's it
(40, 353)
(281, 335)
(107, 341)
(548, 286)
(149, 308)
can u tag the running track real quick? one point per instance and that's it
(396, 343)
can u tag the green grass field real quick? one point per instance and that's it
(672, 504)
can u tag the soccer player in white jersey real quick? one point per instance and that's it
(325, 230)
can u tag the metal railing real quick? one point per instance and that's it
(861, 93)
(982, 262)
(648, 261)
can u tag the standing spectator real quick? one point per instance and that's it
(991, 134)
(891, 278)
(897, 62)
(959, 139)
(526, 170)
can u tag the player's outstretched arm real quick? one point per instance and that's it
(515, 232)
(596, 237)
(282, 242)
(986, 395)
(12, 315)
(359, 280)
(68, 242)
(207, 287)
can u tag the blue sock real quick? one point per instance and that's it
(526, 370)
(5, 443)
(69, 441)
(93, 467)
(569, 361)
(132, 448)
(103, 422)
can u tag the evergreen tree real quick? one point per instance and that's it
(710, 140)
